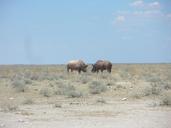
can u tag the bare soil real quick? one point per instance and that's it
(89, 114)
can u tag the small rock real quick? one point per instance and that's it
(74, 103)
(21, 120)
(18, 113)
(123, 99)
(58, 106)
(11, 98)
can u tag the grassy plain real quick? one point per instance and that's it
(41, 96)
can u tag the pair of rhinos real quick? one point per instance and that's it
(79, 65)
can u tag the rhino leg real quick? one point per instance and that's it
(79, 70)
(68, 69)
(109, 70)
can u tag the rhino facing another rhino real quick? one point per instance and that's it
(77, 65)
(102, 65)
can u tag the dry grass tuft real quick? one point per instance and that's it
(101, 100)
(68, 90)
(46, 92)
(28, 101)
(97, 87)
(166, 98)
(19, 85)
(9, 106)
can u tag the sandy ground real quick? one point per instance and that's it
(83, 114)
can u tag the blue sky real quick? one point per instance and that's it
(56, 31)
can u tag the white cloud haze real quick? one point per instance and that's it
(120, 19)
(142, 10)
(142, 5)
(138, 3)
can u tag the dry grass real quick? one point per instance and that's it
(28, 101)
(69, 91)
(97, 87)
(166, 98)
(8, 106)
(101, 100)
(53, 81)
(19, 85)
(46, 92)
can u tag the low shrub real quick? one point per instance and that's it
(28, 101)
(97, 87)
(69, 91)
(101, 100)
(9, 106)
(46, 92)
(166, 98)
(19, 85)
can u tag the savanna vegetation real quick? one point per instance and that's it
(28, 89)
(34, 83)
